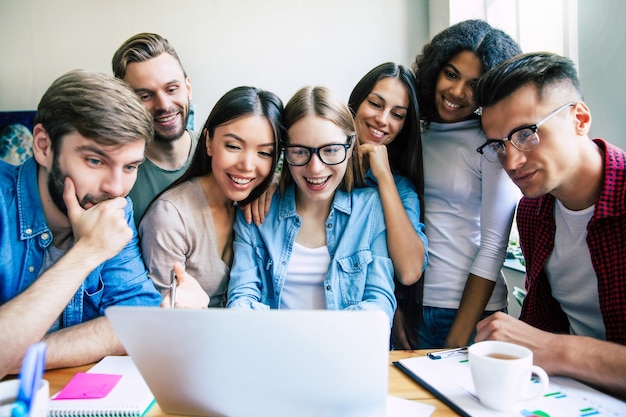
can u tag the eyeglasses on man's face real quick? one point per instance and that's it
(523, 138)
(331, 154)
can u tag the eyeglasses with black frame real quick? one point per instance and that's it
(331, 154)
(523, 138)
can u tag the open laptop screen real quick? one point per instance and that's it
(259, 363)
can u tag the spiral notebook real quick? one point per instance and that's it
(130, 397)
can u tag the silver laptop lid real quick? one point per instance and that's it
(259, 363)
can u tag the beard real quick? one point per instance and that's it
(168, 137)
(56, 180)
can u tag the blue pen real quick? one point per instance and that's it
(31, 374)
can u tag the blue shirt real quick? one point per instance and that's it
(410, 201)
(360, 275)
(24, 237)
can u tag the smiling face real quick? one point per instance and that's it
(454, 95)
(163, 88)
(380, 117)
(317, 182)
(241, 155)
(99, 172)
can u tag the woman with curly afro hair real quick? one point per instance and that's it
(469, 202)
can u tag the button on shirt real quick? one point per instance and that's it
(24, 237)
(360, 275)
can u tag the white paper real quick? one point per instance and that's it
(399, 407)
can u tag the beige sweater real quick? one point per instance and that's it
(179, 227)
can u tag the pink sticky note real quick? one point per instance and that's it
(86, 385)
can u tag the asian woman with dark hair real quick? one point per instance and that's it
(191, 222)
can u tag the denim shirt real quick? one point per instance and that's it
(121, 280)
(410, 201)
(360, 274)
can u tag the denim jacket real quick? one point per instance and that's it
(360, 274)
(410, 201)
(121, 280)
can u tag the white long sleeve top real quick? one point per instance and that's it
(469, 206)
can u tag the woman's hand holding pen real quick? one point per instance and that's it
(188, 293)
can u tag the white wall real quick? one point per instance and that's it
(278, 45)
(596, 42)
(602, 59)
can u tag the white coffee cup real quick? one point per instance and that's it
(502, 372)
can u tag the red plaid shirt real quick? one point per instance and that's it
(606, 239)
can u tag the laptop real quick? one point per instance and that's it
(242, 363)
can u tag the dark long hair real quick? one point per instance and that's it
(405, 158)
(491, 46)
(405, 151)
(238, 102)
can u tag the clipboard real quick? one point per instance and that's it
(432, 390)
(450, 380)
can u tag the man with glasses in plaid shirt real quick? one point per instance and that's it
(571, 220)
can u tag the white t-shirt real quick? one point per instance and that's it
(571, 275)
(304, 285)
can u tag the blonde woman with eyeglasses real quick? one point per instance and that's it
(323, 242)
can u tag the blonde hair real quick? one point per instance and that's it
(322, 102)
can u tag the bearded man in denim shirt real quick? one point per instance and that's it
(67, 237)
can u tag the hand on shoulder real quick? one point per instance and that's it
(258, 209)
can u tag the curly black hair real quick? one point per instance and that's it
(491, 46)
